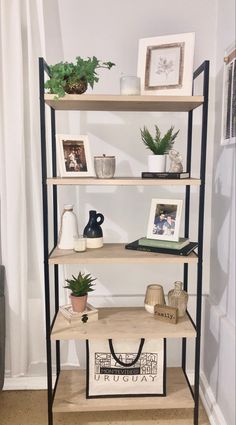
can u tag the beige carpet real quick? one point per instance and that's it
(30, 408)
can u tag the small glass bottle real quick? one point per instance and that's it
(178, 298)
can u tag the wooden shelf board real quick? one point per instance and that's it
(117, 254)
(70, 395)
(93, 102)
(122, 181)
(126, 322)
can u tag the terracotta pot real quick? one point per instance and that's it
(79, 303)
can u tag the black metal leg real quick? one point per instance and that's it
(205, 69)
(55, 227)
(45, 238)
(186, 227)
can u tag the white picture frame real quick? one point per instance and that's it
(164, 219)
(74, 156)
(228, 127)
(165, 64)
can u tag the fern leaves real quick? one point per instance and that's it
(157, 144)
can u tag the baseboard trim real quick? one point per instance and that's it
(213, 410)
(25, 383)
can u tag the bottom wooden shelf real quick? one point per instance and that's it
(70, 395)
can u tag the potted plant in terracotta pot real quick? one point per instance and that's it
(80, 286)
(160, 146)
(73, 78)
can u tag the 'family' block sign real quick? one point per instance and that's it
(166, 313)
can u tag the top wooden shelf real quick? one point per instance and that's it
(98, 102)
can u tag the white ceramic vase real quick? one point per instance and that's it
(68, 229)
(157, 163)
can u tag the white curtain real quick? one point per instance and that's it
(21, 42)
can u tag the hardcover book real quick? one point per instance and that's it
(184, 251)
(153, 175)
(164, 244)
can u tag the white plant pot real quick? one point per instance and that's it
(157, 163)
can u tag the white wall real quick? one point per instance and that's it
(219, 340)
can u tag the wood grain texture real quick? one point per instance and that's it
(70, 395)
(93, 102)
(121, 181)
(125, 322)
(117, 254)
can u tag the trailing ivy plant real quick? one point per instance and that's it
(157, 144)
(67, 74)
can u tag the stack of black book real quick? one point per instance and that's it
(167, 175)
(182, 247)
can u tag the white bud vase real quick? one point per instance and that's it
(68, 229)
(157, 163)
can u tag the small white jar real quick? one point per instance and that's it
(130, 85)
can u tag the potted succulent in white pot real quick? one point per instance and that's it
(80, 286)
(160, 146)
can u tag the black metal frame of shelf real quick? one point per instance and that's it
(43, 68)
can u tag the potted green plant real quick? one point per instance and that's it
(73, 78)
(159, 146)
(80, 286)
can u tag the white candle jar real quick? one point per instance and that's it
(130, 85)
(80, 243)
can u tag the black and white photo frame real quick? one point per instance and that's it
(74, 155)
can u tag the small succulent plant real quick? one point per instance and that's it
(80, 285)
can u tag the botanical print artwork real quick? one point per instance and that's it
(164, 66)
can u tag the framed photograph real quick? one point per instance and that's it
(74, 156)
(165, 64)
(164, 219)
(228, 132)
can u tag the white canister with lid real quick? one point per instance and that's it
(68, 229)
